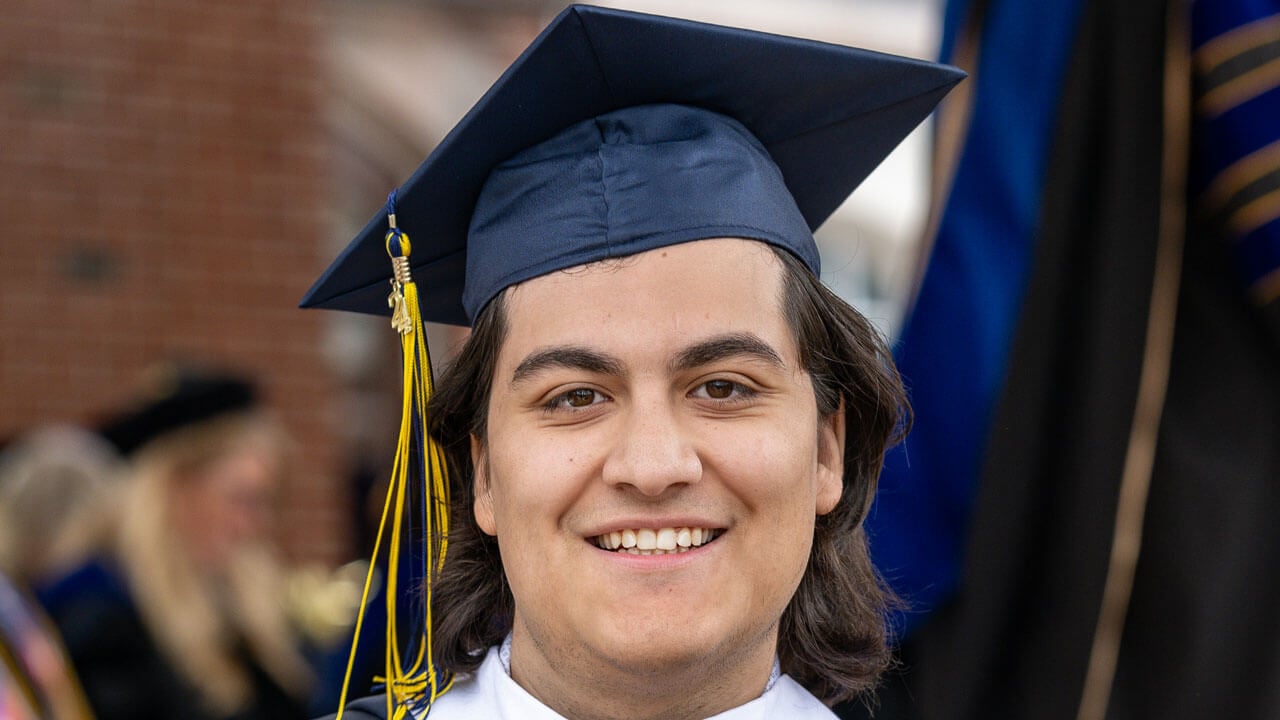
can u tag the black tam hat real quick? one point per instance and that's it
(174, 398)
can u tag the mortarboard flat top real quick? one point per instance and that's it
(826, 115)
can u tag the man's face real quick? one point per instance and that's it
(649, 401)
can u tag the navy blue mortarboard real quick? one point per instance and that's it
(618, 132)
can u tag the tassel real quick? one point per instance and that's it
(412, 682)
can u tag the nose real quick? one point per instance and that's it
(653, 451)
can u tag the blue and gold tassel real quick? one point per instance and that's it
(411, 679)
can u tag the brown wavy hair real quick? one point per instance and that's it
(832, 636)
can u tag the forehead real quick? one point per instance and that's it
(653, 302)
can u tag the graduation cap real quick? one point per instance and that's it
(825, 115)
(612, 134)
(174, 398)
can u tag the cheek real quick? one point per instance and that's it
(197, 508)
(777, 466)
(531, 485)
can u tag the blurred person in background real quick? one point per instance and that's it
(182, 614)
(1083, 517)
(55, 502)
(56, 499)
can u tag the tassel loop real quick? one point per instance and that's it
(398, 248)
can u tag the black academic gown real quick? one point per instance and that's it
(1199, 633)
(124, 675)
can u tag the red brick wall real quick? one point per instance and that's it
(163, 185)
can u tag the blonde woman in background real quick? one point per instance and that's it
(183, 616)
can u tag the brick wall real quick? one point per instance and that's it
(163, 179)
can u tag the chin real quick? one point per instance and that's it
(667, 645)
(653, 659)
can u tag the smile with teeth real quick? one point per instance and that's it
(662, 541)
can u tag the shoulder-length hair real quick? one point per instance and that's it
(832, 636)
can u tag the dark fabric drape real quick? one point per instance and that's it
(1201, 636)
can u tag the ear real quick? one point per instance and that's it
(830, 461)
(483, 508)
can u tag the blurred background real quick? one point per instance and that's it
(175, 175)
(1081, 522)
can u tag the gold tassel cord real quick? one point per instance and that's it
(414, 686)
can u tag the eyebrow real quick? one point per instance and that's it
(721, 347)
(570, 357)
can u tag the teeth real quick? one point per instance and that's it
(647, 541)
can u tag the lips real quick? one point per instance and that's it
(660, 541)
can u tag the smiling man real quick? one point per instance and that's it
(663, 431)
(652, 465)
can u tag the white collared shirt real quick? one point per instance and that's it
(490, 693)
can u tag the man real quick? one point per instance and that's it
(664, 431)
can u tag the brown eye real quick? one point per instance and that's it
(581, 397)
(719, 389)
(724, 394)
(576, 399)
